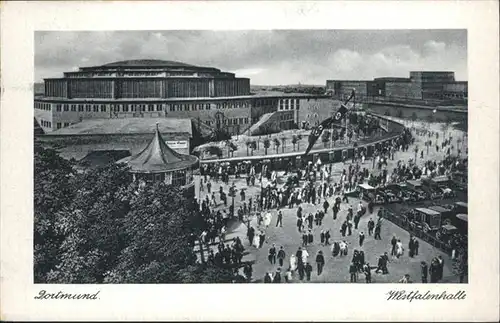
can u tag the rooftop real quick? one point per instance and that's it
(146, 63)
(126, 126)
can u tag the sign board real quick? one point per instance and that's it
(177, 144)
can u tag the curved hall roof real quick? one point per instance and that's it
(158, 157)
(146, 63)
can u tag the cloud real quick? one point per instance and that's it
(267, 56)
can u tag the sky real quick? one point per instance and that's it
(267, 57)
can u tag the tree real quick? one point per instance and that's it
(214, 150)
(53, 180)
(267, 144)
(295, 140)
(299, 138)
(106, 229)
(325, 138)
(414, 116)
(283, 144)
(253, 146)
(399, 113)
(276, 144)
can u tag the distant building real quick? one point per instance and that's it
(421, 85)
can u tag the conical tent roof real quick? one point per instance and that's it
(158, 157)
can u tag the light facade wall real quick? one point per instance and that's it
(409, 90)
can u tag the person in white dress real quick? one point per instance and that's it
(305, 254)
(293, 263)
(399, 249)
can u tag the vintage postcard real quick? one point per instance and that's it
(155, 167)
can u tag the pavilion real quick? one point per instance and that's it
(158, 162)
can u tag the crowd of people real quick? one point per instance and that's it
(317, 190)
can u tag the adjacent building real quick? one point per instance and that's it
(421, 85)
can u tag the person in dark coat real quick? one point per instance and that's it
(441, 267)
(272, 254)
(356, 221)
(368, 273)
(281, 256)
(424, 271)
(299, 223)
(308, 269)
(343, 228)
(262, 238)
(353, 271)
(268, 278)
(326, 205)
(434, 271)
(277, 276)
(304, 239)
(322, 237)
(327, 237)
(349, 228)
(310, 220)
(336, 249)
(415, 247)
(250, 234)
(371, 226)
(320, 262)
(370, 207)
(393, 244)
(310, 237)
(411, 247)
(335, 210)
(279, 221)
(361, 238)
(247, 270)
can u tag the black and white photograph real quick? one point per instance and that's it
(275, 156)
(249, 161)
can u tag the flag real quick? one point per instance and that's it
(325, 124)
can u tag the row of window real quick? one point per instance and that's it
(229, 121)
(137, 107)
(45, 124)
(289, 104)
(59, 125)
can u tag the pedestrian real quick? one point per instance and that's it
(406, 279)
(371, 226)
(310, 237)
(272, 254)
(361, 238)
(277, 276)
(247, 270)
(320, 261)
(411, 246)
(393, 244)
(424, 271)
(279, 221)
(288, 276)
(415, 246)
(441, 267)
(304, 239)
(262, 238)
(308, 269)
(368, 273)
(377, 233)
(322, 237)
(281, 256)
(268, 278)
(352, 272)
(327, 237)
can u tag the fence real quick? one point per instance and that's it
(404, 224)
